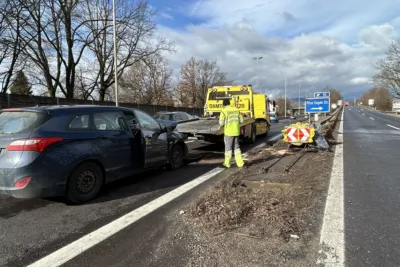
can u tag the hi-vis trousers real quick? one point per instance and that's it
(232, 145)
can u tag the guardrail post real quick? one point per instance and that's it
(58, 101)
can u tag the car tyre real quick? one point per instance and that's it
(176, 157)
(85, 182)
(253, 137)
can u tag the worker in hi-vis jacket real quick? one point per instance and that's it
(231, 119)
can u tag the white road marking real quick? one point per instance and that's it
(364, 114)
(79, 246)
(332, 232)
(190, 141)
(393, 127)
(276, 137)
(372, 118)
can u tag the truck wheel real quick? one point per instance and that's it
(253, 136)
(176, 157)
(84, 182)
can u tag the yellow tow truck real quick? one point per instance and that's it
(253, 106)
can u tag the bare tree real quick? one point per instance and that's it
(136, 39)
(196, 76)
(382, 98)
(335, 95)
(148, 81)
(388, 70)
(54, 35)
(280, 105)
(37, 22)
(82, 84)
(10, 43)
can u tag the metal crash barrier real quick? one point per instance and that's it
(298, 133)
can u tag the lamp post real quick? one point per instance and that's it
(256, 59)
(115, 56)
(285, 84)
(299, 98)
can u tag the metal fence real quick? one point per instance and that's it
(18, 101)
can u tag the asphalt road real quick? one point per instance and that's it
(371, 188)
(32, 229)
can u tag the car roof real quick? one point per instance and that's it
(62, 109)
(169, 112)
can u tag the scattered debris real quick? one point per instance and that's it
(319, 138)
(182, 212)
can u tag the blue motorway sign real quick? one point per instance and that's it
(322, 94)
(318, 105)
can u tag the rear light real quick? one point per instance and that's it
(22, 182)
(32, 144)
(11, 109)
(241, 130)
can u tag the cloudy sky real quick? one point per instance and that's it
(333, 43)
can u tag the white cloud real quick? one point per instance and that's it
(360, 80)
(332, 43)
(166, 15)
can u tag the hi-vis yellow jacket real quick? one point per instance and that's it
(231, 119)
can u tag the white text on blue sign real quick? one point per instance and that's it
(317, 102)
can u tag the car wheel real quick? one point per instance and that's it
(85, 182)
(176, 157)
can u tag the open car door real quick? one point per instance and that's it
(154, 141)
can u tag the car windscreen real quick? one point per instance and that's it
(166, 117)
(16, 122)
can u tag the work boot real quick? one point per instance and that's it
(228, 157)
(238, 158)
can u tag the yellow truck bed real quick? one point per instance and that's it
(204, 127)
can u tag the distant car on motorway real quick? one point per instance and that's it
(274, 118)
(172, 116)
(73, 151)
(171, 125)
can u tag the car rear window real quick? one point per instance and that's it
(13, 122)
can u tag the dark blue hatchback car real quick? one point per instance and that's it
(73, 151)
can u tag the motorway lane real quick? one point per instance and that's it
(381, 117)
(31, 229)
(371, 188)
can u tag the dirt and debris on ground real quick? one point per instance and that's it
(262, 215)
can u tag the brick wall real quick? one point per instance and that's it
(18, 101)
